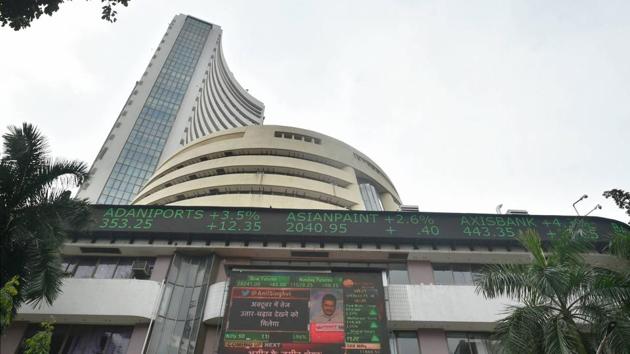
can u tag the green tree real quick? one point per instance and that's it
(621, 198)
(567, 306)
(39, 343)
(35, 210)
(19, 14)
(7, 293)
(620, 243)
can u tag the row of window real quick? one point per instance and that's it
(120, 267)
(177, 70)
(458, 343)
(455, 274)
(81, 339)
(107, 267)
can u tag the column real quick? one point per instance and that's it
(432, 341)
(420, 272)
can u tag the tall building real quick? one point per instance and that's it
(186, 92)
(247, 239)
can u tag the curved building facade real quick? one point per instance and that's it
(270, 166)
(186, 92)
(222, 103)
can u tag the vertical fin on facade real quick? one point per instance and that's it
(222, 103)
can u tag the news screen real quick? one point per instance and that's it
(305, 313)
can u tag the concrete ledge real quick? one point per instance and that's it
(98, 301)
(451, 307)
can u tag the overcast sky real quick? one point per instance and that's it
(464, 104)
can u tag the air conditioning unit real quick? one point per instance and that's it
(140, 269)
(517, 212)
(409, 208)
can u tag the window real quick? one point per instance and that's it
(398, 276)
(85, 268)
(370, 196)
(455, 274)
(105, 268)
(295, 136)
(471, 343)
(102, 267)
(407, 343)
(70, 339)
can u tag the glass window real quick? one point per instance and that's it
(455, 274)
(442, 274)
(85, 268)
(461, 274)
(123, 271)
(471, 343)
(407, 343)
(397, 276)
(475, 270)
(69, 265)
(370, 196)
(105, 268)
(70, 339)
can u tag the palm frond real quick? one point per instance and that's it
(557, 337)
(521, 330)
(618, 339)
(44, 272)
(26, 147)
(510, 280)
(567, 248)
(531, 241)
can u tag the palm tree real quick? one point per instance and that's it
(566, 305)
(35, 210)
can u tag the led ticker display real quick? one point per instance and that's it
(305, 313)
(291, 223)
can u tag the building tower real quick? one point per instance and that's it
(186, 92)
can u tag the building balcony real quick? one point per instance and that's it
(98, 301)
(451, 307)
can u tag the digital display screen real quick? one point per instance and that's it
(305, 313)
(292, 223)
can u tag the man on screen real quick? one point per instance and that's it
(329, 311)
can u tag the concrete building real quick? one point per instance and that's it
(270, 166)
(154, 277)
(186, 92)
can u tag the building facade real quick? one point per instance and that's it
(222, 207)
(186, 92)
(270, 166)
(162, 279)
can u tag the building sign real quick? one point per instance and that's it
(305, 313)
(293, 223)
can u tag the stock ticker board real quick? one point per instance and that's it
(331, 313)
(295, 223)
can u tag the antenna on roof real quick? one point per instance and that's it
(592, 210)
(577, 201)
